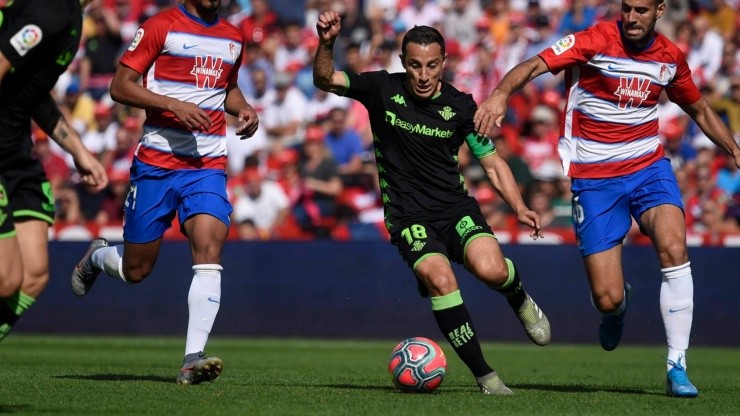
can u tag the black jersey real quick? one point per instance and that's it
(416, 145)
(39, 38)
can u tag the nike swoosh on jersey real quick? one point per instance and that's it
(676, 310)
(185, 46)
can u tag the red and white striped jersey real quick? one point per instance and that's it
(183, 57)
(611, 119)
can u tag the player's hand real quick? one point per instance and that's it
(92, 173)
(532, 220)
(192, 116)
(328, 26)
(248, 123)
(490, 114)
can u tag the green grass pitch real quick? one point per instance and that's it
(65, 375)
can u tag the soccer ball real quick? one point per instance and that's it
(417, 365)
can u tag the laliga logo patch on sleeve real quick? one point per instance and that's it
(563, 44)
(26, 39)
(137, 38)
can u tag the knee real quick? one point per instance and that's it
(673, 253)
(9, 287)
(35, 283)
(440, 284)
(136, 274)
(608, 301)
(490, 272)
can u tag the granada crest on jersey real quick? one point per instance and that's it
(232, 51)
(663, 72)
(563, 44)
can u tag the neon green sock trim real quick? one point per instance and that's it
(447, 301)
(426, 256)
(19, 303)
(510, 266)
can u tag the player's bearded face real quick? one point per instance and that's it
(209, 5)
(424, 65)
(638, 19)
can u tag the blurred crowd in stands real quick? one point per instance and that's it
(309, 171)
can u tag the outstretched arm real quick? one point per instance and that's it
(325, 77)
(710, 123)
(491, 110)
(500, 175)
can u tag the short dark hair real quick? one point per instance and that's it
(423, 35)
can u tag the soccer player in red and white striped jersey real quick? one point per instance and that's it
(609, 146)
(187, 58)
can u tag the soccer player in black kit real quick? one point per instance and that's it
(418, 124)
(38, 40)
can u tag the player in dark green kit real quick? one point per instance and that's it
(38, 40)
(419, 123)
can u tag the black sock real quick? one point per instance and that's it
(457, 327)
(512, 289)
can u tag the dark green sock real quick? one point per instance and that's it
(454, 320)
(512, 289)
(11, 309)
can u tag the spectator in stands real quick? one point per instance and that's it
(114, 197)
(291, 52)
(261, 202)
(540, 145)
(705, 189)
(705, 55)
(283, 117)
(519, 168)
(722, 17)
(56, 169)
(345, 145)
(102, 51)
(728, 106)
(420, 13)
(321, 103)
(260, 23)
(579, 16)
(255, 61)
(321, 185)
(459, 22)
(100, 138)
(728, 178)
(713, 221)
(67, 205)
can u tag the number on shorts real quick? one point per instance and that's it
(131, 198)
(577, 211)
(415, 232)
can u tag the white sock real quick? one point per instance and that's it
(204, 300)
(110, 260)
(677, 308)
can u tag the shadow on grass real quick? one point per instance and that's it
(576, 388)
(21, 408)
(117, 377)
(559, 388)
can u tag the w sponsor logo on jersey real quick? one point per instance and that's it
(207, 70)
(631, 89)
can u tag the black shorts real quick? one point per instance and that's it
(448, 237)
(24, 192)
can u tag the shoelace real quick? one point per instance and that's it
(680, 374)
